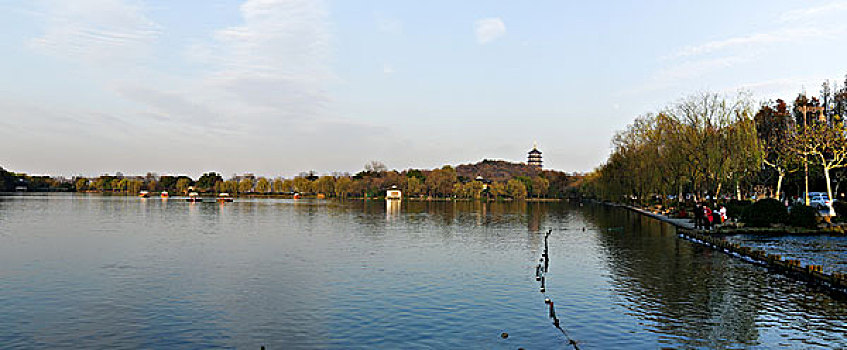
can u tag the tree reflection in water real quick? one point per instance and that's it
(693, 295)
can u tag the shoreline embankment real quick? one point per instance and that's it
(812, 274)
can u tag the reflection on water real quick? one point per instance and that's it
(91, 271)
(695, 296)
(392, 208)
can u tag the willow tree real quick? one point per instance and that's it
(673, 165)
(324, 184)
(301, 184)
(440, 182)
(540, 187)
(631, 167)
(121, 185)
(702, 142)
(263, 185)
(245, 185)
(717, 137)
(743, 151)
(343, 187)
(516, 189)
(413, 186)
(134, 186)
(182, 185)
(278, 185)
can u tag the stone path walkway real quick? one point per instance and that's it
(681, 223)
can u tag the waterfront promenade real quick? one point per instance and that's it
(686, 224)
(812, 273)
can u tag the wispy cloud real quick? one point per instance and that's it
(259, 84)
(95, 31)
(785, 88)
(674, 74)
(173, 107)
(814, 12)
(489, 29)
(268, 71)
(797, 28)
(278, 38)
(777, 36)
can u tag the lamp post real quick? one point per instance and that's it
(805, 155)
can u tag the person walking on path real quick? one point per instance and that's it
(716, 214)
(708, 218)
(698, 216)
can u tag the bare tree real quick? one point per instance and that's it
(375, 166)
(827, 145)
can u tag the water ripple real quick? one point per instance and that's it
(117, 272)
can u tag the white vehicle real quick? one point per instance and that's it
(819, 200)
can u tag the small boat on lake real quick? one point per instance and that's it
(164, 194)
(144, 194)
(224, 197)
(297, 195)
(194, 197)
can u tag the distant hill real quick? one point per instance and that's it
(496, 170)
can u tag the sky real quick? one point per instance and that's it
(279, 87)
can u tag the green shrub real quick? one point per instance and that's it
(735, 208)
(764, 213)
(803, 216)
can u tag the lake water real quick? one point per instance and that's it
(829, 251)
(122, 272)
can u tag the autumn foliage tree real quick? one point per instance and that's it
(775, 134)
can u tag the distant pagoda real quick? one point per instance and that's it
(534, 158)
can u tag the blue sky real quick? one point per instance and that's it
(277, 87)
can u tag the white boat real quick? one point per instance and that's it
(224, 197)
(194, 197)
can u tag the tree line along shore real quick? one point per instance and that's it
(728, 150)
(488, 179)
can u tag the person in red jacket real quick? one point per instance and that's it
(707, 213)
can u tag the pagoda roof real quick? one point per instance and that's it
(535, 151)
